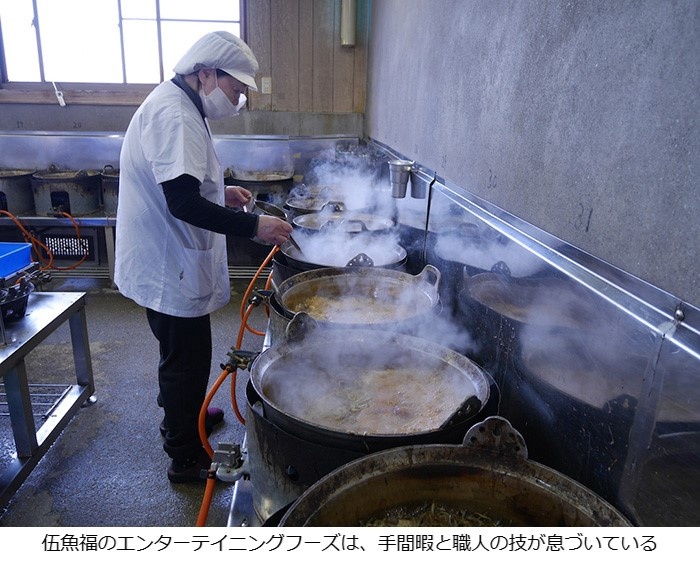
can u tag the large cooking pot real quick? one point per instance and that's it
(76, 192)
(561, 364)
(487, 481)
(16, 191)
(350, 222)
(315, 204)
(327, 198)
(464, 249)
(364, 297)
(110, 189)
(363, 389)
(261, 161)
(335, 250)
(496, 306)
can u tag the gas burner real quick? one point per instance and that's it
(13, 300)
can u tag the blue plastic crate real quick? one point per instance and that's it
(14, 256)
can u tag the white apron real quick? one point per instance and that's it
(161, 262)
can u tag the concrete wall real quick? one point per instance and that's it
(87, 119)
(579, 117)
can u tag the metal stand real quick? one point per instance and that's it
(47, 311)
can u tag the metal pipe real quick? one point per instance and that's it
(348, 16)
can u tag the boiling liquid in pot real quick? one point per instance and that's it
(357, 301)
(369, 397)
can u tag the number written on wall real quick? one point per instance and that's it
(492, 180)
(583, 220)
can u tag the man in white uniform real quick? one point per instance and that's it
(173, 216)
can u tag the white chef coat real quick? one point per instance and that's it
(163, 263)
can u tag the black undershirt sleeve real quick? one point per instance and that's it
(186, 203)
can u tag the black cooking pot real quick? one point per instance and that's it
(465, 250)
(363, 390)
(552, 350)
(487, 481)
(495, 306)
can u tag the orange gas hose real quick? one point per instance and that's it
(251, 285)
(201, 421)
(206, 501)
(215, 387)
(37, 244)
(201, 426)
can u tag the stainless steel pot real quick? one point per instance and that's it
(312, 204)
(328, 251)
(76, 192)
(487, 481)
(350, 222)
(16, 194)
(110, 189)
(364, 389)
(362, 297)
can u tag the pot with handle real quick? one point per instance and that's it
(366, 389)
(486, 481)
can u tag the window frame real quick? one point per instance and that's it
(82, 93)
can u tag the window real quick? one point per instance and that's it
(103, 42)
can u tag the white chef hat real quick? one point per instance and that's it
(222, 50)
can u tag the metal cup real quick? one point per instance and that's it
(399, 174)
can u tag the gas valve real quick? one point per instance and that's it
(229, 463)
(260, 297)
(239, 359)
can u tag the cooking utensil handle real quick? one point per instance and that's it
(496, 434)
(301, 326)
(355, 222)
(430, 274)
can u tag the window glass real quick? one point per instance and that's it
(139, 9)
(19, 36)
(141, 52)
(81, 48)
(179, 36)
(105, 41)
(199, 10)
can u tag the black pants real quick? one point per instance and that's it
(183, 377)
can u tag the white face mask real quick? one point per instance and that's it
(217, 104)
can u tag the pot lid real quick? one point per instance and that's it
(348, 222)
(316, 252)
(259, 176)
(66, 174)
(14, 173)
(314, 203)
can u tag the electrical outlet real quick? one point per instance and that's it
(266, 85)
